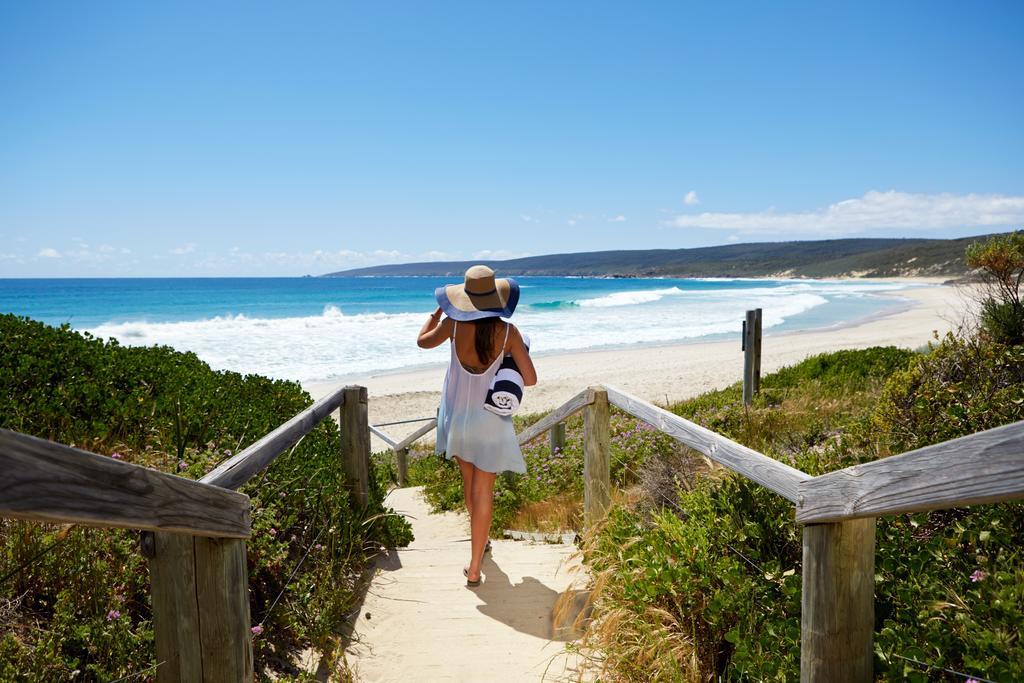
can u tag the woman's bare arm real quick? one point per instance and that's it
(435, 331)
(521, 355)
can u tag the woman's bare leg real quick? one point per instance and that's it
(467, 483)
(480, 521)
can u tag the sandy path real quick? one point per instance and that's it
(419, 622)
(667, 373)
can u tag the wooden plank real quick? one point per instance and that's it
(49, 482)
(837, 613)
(383, 436)
(981, 468)
(560, 414)
(222, 593)
(355, 443)
(557, 435)
(172, 579)
(233, 473)
(772, 474)
(596, 458)
(407, 441)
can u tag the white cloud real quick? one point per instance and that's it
(617, 219)
(875, 210)
(49, 252)
(691, 198)
(184, 249)
(529, 219)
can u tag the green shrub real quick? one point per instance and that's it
(709, 585)
(83, 603)
(1000, 261)
(963, 386)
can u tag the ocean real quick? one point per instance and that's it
(315, 329)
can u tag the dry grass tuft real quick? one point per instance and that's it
(620, 644)
(557, 514)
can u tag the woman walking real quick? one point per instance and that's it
(481, 442)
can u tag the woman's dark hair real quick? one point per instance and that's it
(484, 342)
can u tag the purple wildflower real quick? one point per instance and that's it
(227, 451)
(256, 630)
(273, 531)
(113, 614)
(978, 575)
(116, 456)
(973, 680)
(182, 465)
(318, 547)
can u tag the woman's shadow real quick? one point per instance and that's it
(529, 607)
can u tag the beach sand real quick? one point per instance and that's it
(667, 374)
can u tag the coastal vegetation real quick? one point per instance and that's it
(859, 257)
(696, 572)
(75, 602)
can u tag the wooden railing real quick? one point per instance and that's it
(401, 446)
(837, 510)
(197, 549)
(198, 575)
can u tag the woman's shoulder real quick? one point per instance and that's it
(513, 335)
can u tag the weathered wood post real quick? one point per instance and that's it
(402, 464)
(838, 602)
(200, 592)
(596, 462)
(557, 434)
(355, 443)
(748, 358)
(755, 370)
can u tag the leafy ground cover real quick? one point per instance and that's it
(75, 602)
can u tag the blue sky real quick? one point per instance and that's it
(291, 138)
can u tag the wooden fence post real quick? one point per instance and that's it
(558, 437)
(402, 463)
(200, 592)
(355, 443)
(748, 358)
(596, 463)
(755, 370)
(838, 602)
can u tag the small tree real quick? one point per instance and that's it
(1000, 260)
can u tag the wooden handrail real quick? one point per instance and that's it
(403, 422)
(768, 472)
(383, 436)
(45, 481)
(559, 414)
(234, 472)
(980, 468)
(404, 443)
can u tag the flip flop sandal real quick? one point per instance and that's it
(470, 582)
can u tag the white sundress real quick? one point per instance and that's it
(465, 429)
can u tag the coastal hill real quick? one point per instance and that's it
(816, 258)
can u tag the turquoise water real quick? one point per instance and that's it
(321, 328)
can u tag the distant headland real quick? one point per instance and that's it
(866, 257)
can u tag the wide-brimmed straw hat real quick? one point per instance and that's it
(479, 296)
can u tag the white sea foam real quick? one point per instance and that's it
(334, 343)
(642, 296)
